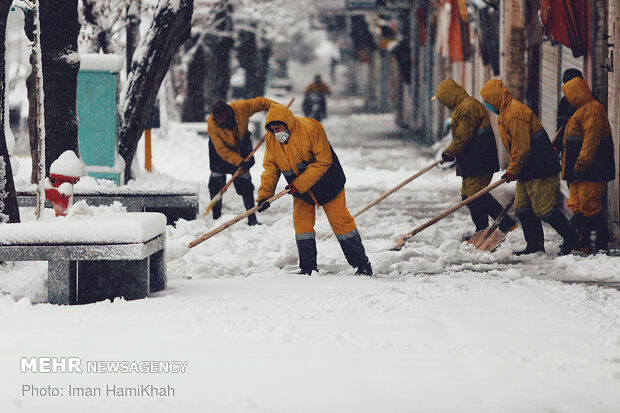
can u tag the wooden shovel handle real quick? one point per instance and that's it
(497, 220)
(450, 210)
(234, 220)
(396, 188)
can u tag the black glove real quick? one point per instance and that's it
(263, 204)
(245, 165)
(446, 158)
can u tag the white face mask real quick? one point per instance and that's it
(282, 136)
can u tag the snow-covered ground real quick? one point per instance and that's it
(441, 327)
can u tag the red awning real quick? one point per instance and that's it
(567, 22)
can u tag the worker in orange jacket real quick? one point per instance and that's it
(297, 147)
(535, 167)
(229, 145)
(587, 162)
(473, 146)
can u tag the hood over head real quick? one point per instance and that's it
(450, 93)
(577, 92)
(495, 93)
(280, 113)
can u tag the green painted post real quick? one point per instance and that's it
(98, 121)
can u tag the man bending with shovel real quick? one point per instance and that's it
(535, 167)
(229, 145)
(297, 148)
(473, 146)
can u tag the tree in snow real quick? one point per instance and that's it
(9, 211)
(101, 20)
(168, 30)
(59, 65)
(207, 56)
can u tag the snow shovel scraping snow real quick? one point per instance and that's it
(234, 220)
(400, 242)
(489, 238)
(218, 197)
(396, 188)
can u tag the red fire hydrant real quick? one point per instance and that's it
(64, 173)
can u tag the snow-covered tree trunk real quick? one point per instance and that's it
(247, 57)
(169, 29)
(9, 211)
(253, 56)
(60, 65)
(132, 33)
(31, 80)
(194, 103)
(217, 79)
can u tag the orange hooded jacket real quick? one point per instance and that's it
(588, 146)
(226, 141)
(306, 159)
(531, 153)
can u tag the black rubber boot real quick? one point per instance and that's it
(355, 254)
(248, 202)
(560, 224)
(478, 212)
(306, 248)
(581, 224)
(532, 232)
(364, 270)
(494, 208)
(216, 183)
(599, 224)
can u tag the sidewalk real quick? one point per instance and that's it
(441, 327)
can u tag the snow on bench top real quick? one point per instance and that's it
(87, 185)
(109, 228)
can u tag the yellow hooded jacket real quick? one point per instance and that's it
(473, 141)
(588, 146)
(226, 141)
(527, 142)
(306, 159)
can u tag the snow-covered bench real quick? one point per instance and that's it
(93, 258)
(175, 203)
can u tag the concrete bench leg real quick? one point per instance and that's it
(99, 280)
(157, 271)
(61, 282)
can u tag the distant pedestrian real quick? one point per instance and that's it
(474, 148)
(229, 145)
(565, 109)
(588, 162)
(297, 147)
(535, 167)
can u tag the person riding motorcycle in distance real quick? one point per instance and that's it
(320, 88)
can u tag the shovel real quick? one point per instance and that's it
(489, 238)
(397, 187)
(218, 197)
(234, 220)
(400, 242)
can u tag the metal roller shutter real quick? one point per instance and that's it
(550, 87)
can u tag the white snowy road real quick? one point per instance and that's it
(442, 327)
